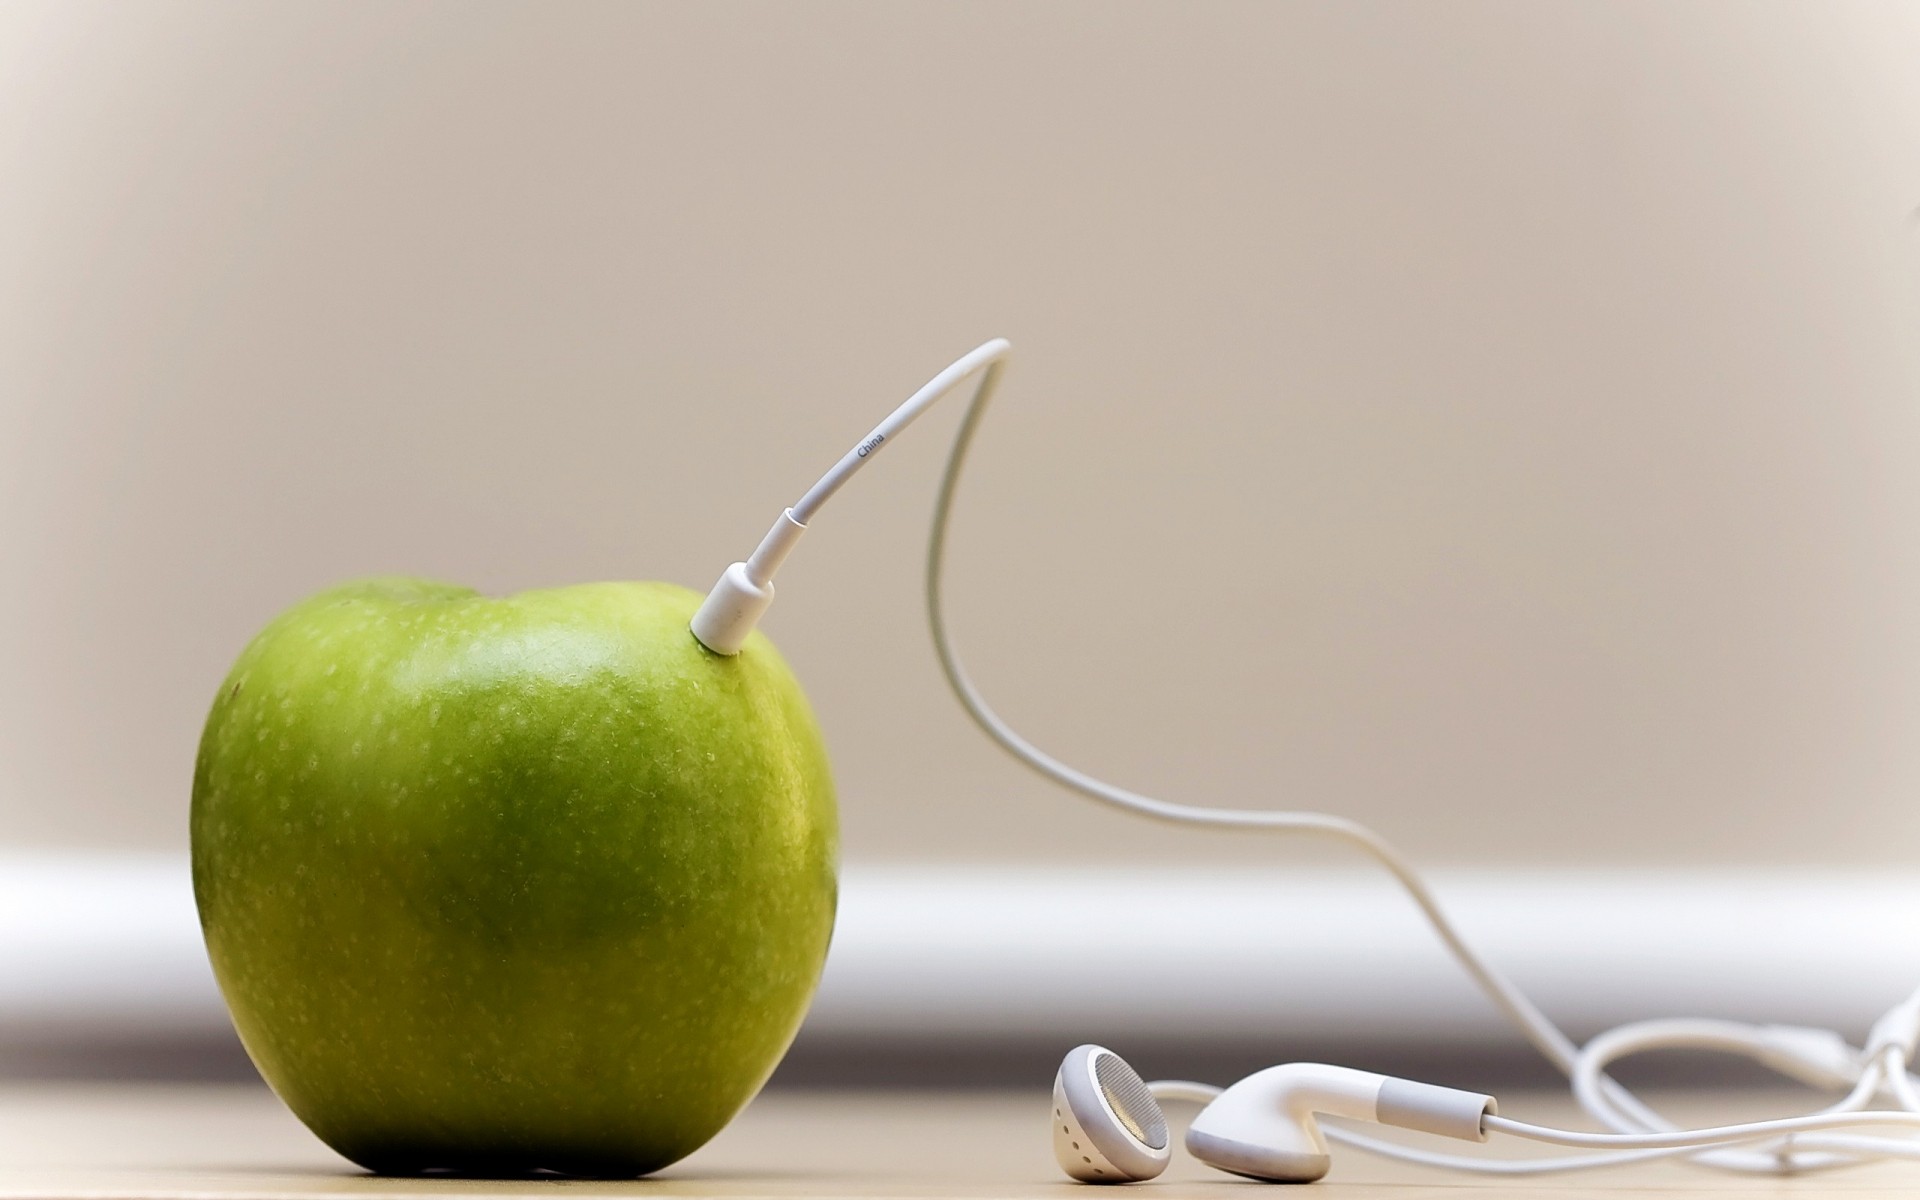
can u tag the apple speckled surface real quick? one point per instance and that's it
(499, 885)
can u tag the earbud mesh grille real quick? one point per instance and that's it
(1127, 1094)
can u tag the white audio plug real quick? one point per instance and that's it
(745, 589)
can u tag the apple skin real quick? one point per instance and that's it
(517, 884)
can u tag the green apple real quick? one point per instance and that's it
(504, 885)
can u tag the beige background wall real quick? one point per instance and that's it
(1542, 383)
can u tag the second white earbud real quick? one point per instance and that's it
(1266, 1127)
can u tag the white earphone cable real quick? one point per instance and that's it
(1639, 1132)
(1547, 1037)
(1710, 1136)
(1557, 1047)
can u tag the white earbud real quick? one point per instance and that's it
(1265, 1126)
(1107, 1127)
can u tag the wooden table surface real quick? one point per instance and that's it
(97, 1142)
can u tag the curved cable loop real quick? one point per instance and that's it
(1546, 1037)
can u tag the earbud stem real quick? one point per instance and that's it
(1448, 1112)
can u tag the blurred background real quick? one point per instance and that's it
(1494, 422)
